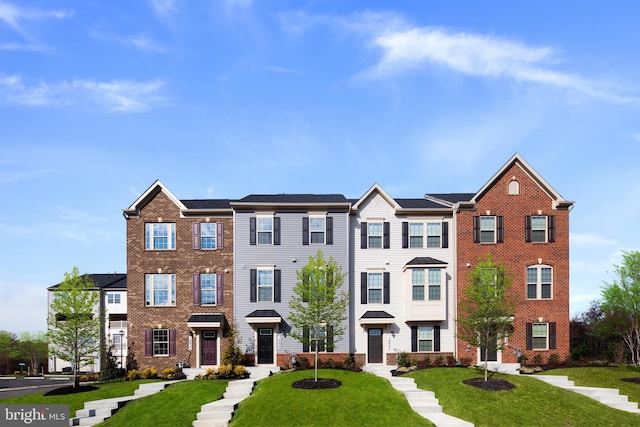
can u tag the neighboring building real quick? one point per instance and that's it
(113, 302)
(402, 278)
(274, 237)
(524, 223)
(180, 279)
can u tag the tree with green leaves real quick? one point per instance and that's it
(33, 347)
(621, 302)
(8, 351)
(485, 311)
(319, 306)
(74, 323)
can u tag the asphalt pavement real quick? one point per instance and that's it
(20, 387)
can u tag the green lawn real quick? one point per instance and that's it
(175, 406)
(362, 400)
(76, 400)
(531, 403)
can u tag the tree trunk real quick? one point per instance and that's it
(486, 362)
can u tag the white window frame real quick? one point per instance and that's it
(426, 336)
(113, 298)
(152, 290)
(415, 235)
(206, 237)
(537, 334)
(314, 229)
(417, 284)
(208, 291)
(539, 283)
(150, 229)
(432, 285)
(375, 237)
(260, 285)
(160, 345)
(539, 230)
(438, 235)
(261, 221)
(485, 230)
(375, 288)
(322, 338)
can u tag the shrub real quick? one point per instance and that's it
(133, 374)
(304, 362)
(554, 359)
(349, 362)
(523, 359)
(172, 374)
(224, 371)
(439, 361)
(465, 362)
(239, 371)
(149, 373)
(89, 377)
(537, 359)
(403, 359)
(249, 360)
(451, 361)
(329, 363)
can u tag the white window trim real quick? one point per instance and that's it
(429, 285)
(150, 241)
(432, 340)
(381, 273)
(113, 296)
(538, 268)
(203, 236)
(494, 229)
(171, 302)
(272, 286)
(215, 289)
(546, 336)
(423, 284)
(545, 229)
(380, 236)
(324, 229)
(258, 231)
(153, 343)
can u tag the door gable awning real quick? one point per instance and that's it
(376, 318)
(263, 317)
(206, 320)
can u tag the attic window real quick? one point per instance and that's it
(514, 187)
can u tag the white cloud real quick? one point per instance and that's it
(480, 56)
(591, 240)
(163, 8)
(124, 96)
(14, 17)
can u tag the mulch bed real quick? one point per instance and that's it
(312, 384)
(70, 390)
(635, 380)
(492, 384)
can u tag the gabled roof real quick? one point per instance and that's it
(148, 195)
(402, 205)
(292, 201)
(105, 282)
(558, 201)
(449, 199)
(375, 188)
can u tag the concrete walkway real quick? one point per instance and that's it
(219, 412)
(607, 396)
(423, 402)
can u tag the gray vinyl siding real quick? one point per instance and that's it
(281, 256)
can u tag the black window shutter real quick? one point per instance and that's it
(253, 287)
(363, 288)
(219, 236)
(552, 336)
(500, 236)
(527, 228)
(329, 225)
(196, 289)
(276, 285)
(148, 342)
(385, 235)
(551, 224)
(529, 336)
(405, 234)
(220, 289)
(196, 235)
(252, 230)
(445, 235)
(387, 288)
(476, 229)
(414, 339)
(305, 339)
(172, 342)
(276, 230)
(436, 338)
(329, 345)
(305, 230)
(363, 235)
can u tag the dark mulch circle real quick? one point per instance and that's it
(492, 384)
(635, 380)
(70, 390)
(312, 384)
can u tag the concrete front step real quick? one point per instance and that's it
(444, 420)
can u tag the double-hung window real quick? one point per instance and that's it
(208, 235)
(375, 234)
(433, 234)
(160, 289)
(539, 228)
(208, 289)
(417, 284)
(265, 230)
(113, 298)
(539, 336)
(160, 342)
(487, 229)
(539, 282)
(416, 234)
(265, 285)
(317, 230)
(435, 281)
(160, 236)
(374, 291)
(425, 338)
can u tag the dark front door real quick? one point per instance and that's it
(375, 345)
(492, 354)
(209, 348)
(265, 345)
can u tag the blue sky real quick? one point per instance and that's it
(220, 99)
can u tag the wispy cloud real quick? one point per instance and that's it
(481, 56)
(591, 240)
(15, 18)
(163, 8)
(141, 41)
(119, 96)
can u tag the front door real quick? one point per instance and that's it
(492, 354)
(209, 348)
(375, 345)
(265, 345)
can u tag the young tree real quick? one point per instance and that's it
(33, 347)
(8, 351)
(319, 307)
(485, 311)
(74, 324)
(621, 302)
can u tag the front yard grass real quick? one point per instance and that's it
(362, 400)
(531, 403)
